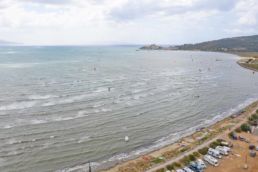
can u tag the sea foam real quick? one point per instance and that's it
(18, 105)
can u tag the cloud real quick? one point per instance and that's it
(49, 1)
(98, 21)
(247, 11)
(134, 9)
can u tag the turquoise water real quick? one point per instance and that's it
(61, 107)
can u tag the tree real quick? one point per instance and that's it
(245, 127)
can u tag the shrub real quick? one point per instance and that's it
(253, 117)
(184, 149)
(231, 134)
(204, 138)
(252, 123)
(169, 154)
(161, 170)
(245, 127)
(192, 157)
(170, 167)
(238, 130)
(257, 111)
(158, 160)
(203, 151)
(185, 160)
(196, 154)
(142, 165)
(176, 164)
(220, 140)
(214, 144)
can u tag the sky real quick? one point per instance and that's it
(103, 22)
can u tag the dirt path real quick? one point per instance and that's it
(243, 118)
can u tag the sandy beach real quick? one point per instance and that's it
(249, 61)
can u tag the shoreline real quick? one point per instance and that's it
(188, 140)
(248, 60)
(246, 67)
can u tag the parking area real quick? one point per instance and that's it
(236, 157)
(239, 157)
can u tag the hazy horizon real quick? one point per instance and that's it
(102, 22)
(105, 45)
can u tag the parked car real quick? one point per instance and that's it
(214, 153)
(221, 140)
(241, 138)
(221, 150)
(252, 153)
(211, 160)
(227, 148)
(186, 169)
(180, 170)
(234, 136)
(201, 163)
(195, 167)
(228, 144)
(252, 147)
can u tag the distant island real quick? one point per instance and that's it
(235, 44)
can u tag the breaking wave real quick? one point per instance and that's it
(18, 105)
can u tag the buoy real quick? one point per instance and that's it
(126, 138)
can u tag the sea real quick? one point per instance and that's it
(62, 107)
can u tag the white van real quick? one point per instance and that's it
(221, 150)
(214, 153)
(211, 160)
(186, 169)
(180, 170)
(227, 148)
(201, 163)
